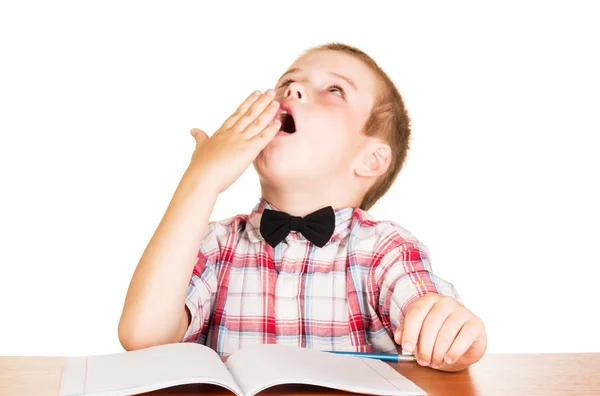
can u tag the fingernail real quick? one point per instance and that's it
(422, 362)
(274, 103)
(448, 359)
(408, 348)
(256, 93)
(270, 92)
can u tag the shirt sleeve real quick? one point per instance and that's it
(202, 287)
(405, 274)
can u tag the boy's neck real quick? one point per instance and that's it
(302, 203)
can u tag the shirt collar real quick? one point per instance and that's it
(344, 220)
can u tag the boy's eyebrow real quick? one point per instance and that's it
(349, 81)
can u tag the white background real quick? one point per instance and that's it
(97, 100)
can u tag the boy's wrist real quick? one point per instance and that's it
(197, 179)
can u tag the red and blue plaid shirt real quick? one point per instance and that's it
(349, 295)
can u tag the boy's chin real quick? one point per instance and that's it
(276, 169)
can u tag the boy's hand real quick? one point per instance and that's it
(441, 333)
(225, 156)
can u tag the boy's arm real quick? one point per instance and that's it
(425, 312)
(154, 312)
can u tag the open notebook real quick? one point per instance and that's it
(246, 372)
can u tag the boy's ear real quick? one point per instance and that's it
(376, 159)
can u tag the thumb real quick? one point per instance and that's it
(198, 134)
(398, 334)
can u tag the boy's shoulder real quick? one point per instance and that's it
(385, 233)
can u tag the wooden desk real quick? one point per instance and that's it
(502, 375)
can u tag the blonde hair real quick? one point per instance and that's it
(389, 121)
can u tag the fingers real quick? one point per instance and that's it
(262, 121)
(257, 113)
(445, 338)
(431, 328)
(242, 109)
(415, 315)
(469, 334)
(438, 329)
(266, 135)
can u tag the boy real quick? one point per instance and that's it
(309, 266)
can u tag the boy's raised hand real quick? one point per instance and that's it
(441, 333)
(224, 157)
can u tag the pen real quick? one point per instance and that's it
(387, 357)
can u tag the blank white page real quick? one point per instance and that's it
(258, 367)
(144, 370)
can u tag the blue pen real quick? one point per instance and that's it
(387, 357)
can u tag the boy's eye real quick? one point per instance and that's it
(336, 87)
(287, 82)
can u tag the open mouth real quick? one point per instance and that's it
(287, 122)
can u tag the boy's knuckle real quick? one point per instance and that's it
(415, 311)
(445, 337)
(481, 325)
(265, 117)
(429, 323)
(447, 300)
(470, 330)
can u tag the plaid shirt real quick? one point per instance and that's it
(349, 295)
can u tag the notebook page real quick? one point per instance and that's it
(144, 370)
(258, 367)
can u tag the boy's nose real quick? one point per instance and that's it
(295, 91)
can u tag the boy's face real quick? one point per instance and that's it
(329, 114)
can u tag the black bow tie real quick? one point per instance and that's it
(317, 226)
